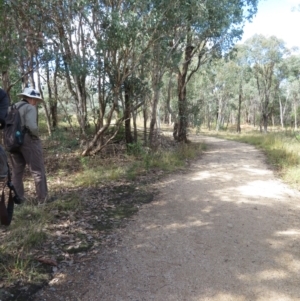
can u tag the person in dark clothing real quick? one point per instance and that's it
(4, 103)
(31, 152)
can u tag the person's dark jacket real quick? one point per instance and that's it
(4, 103)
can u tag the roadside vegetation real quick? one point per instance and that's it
(92, 196)
(95, 195)
(112, 76)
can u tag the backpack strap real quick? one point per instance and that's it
(14, 106)
(18, 107)
(21, 105)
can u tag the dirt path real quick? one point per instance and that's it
(225, 230)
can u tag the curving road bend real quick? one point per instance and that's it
(226, 229)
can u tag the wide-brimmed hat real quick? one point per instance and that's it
(31, 93)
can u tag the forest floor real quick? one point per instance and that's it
(225, 229)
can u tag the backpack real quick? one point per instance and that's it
(13, 135)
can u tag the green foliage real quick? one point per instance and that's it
(92, 174)
(139, 161)
(120, 134)
(135, 149)
(60, 140)
(133, 170)
(172, 160)
(69, 203)
(27, 229)
(19, 269)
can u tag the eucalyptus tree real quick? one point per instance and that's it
(211, 28)
(8, 34)
(169, 98)
(164, 59)
(251, 103)
(121, 43)
(68, 39)
(110, 44)
(23, 35)
(281, 74)
(28, 25)
(239, 67)
(228, 81)
(206, 80)
(292, 84)
(293, 94)
(128, 37)
(263, 55)
(19, 44)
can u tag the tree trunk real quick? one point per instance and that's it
(145, 119)
(265, 122)
(101, 99)
(182, 101)
(208, 116)
(182, 110)
(135, 134)
(175, 131)
(295, 117)
(238, 128)
(52, 98)
(157, 74)
(281, 113)
(127, 113)
(6, 82)
(44, 103)
(173, 116)
(153, 116)
(254, 116)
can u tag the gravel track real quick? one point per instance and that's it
(227, 229)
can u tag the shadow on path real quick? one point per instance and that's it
(226, 230)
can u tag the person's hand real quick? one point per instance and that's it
(2, 124)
